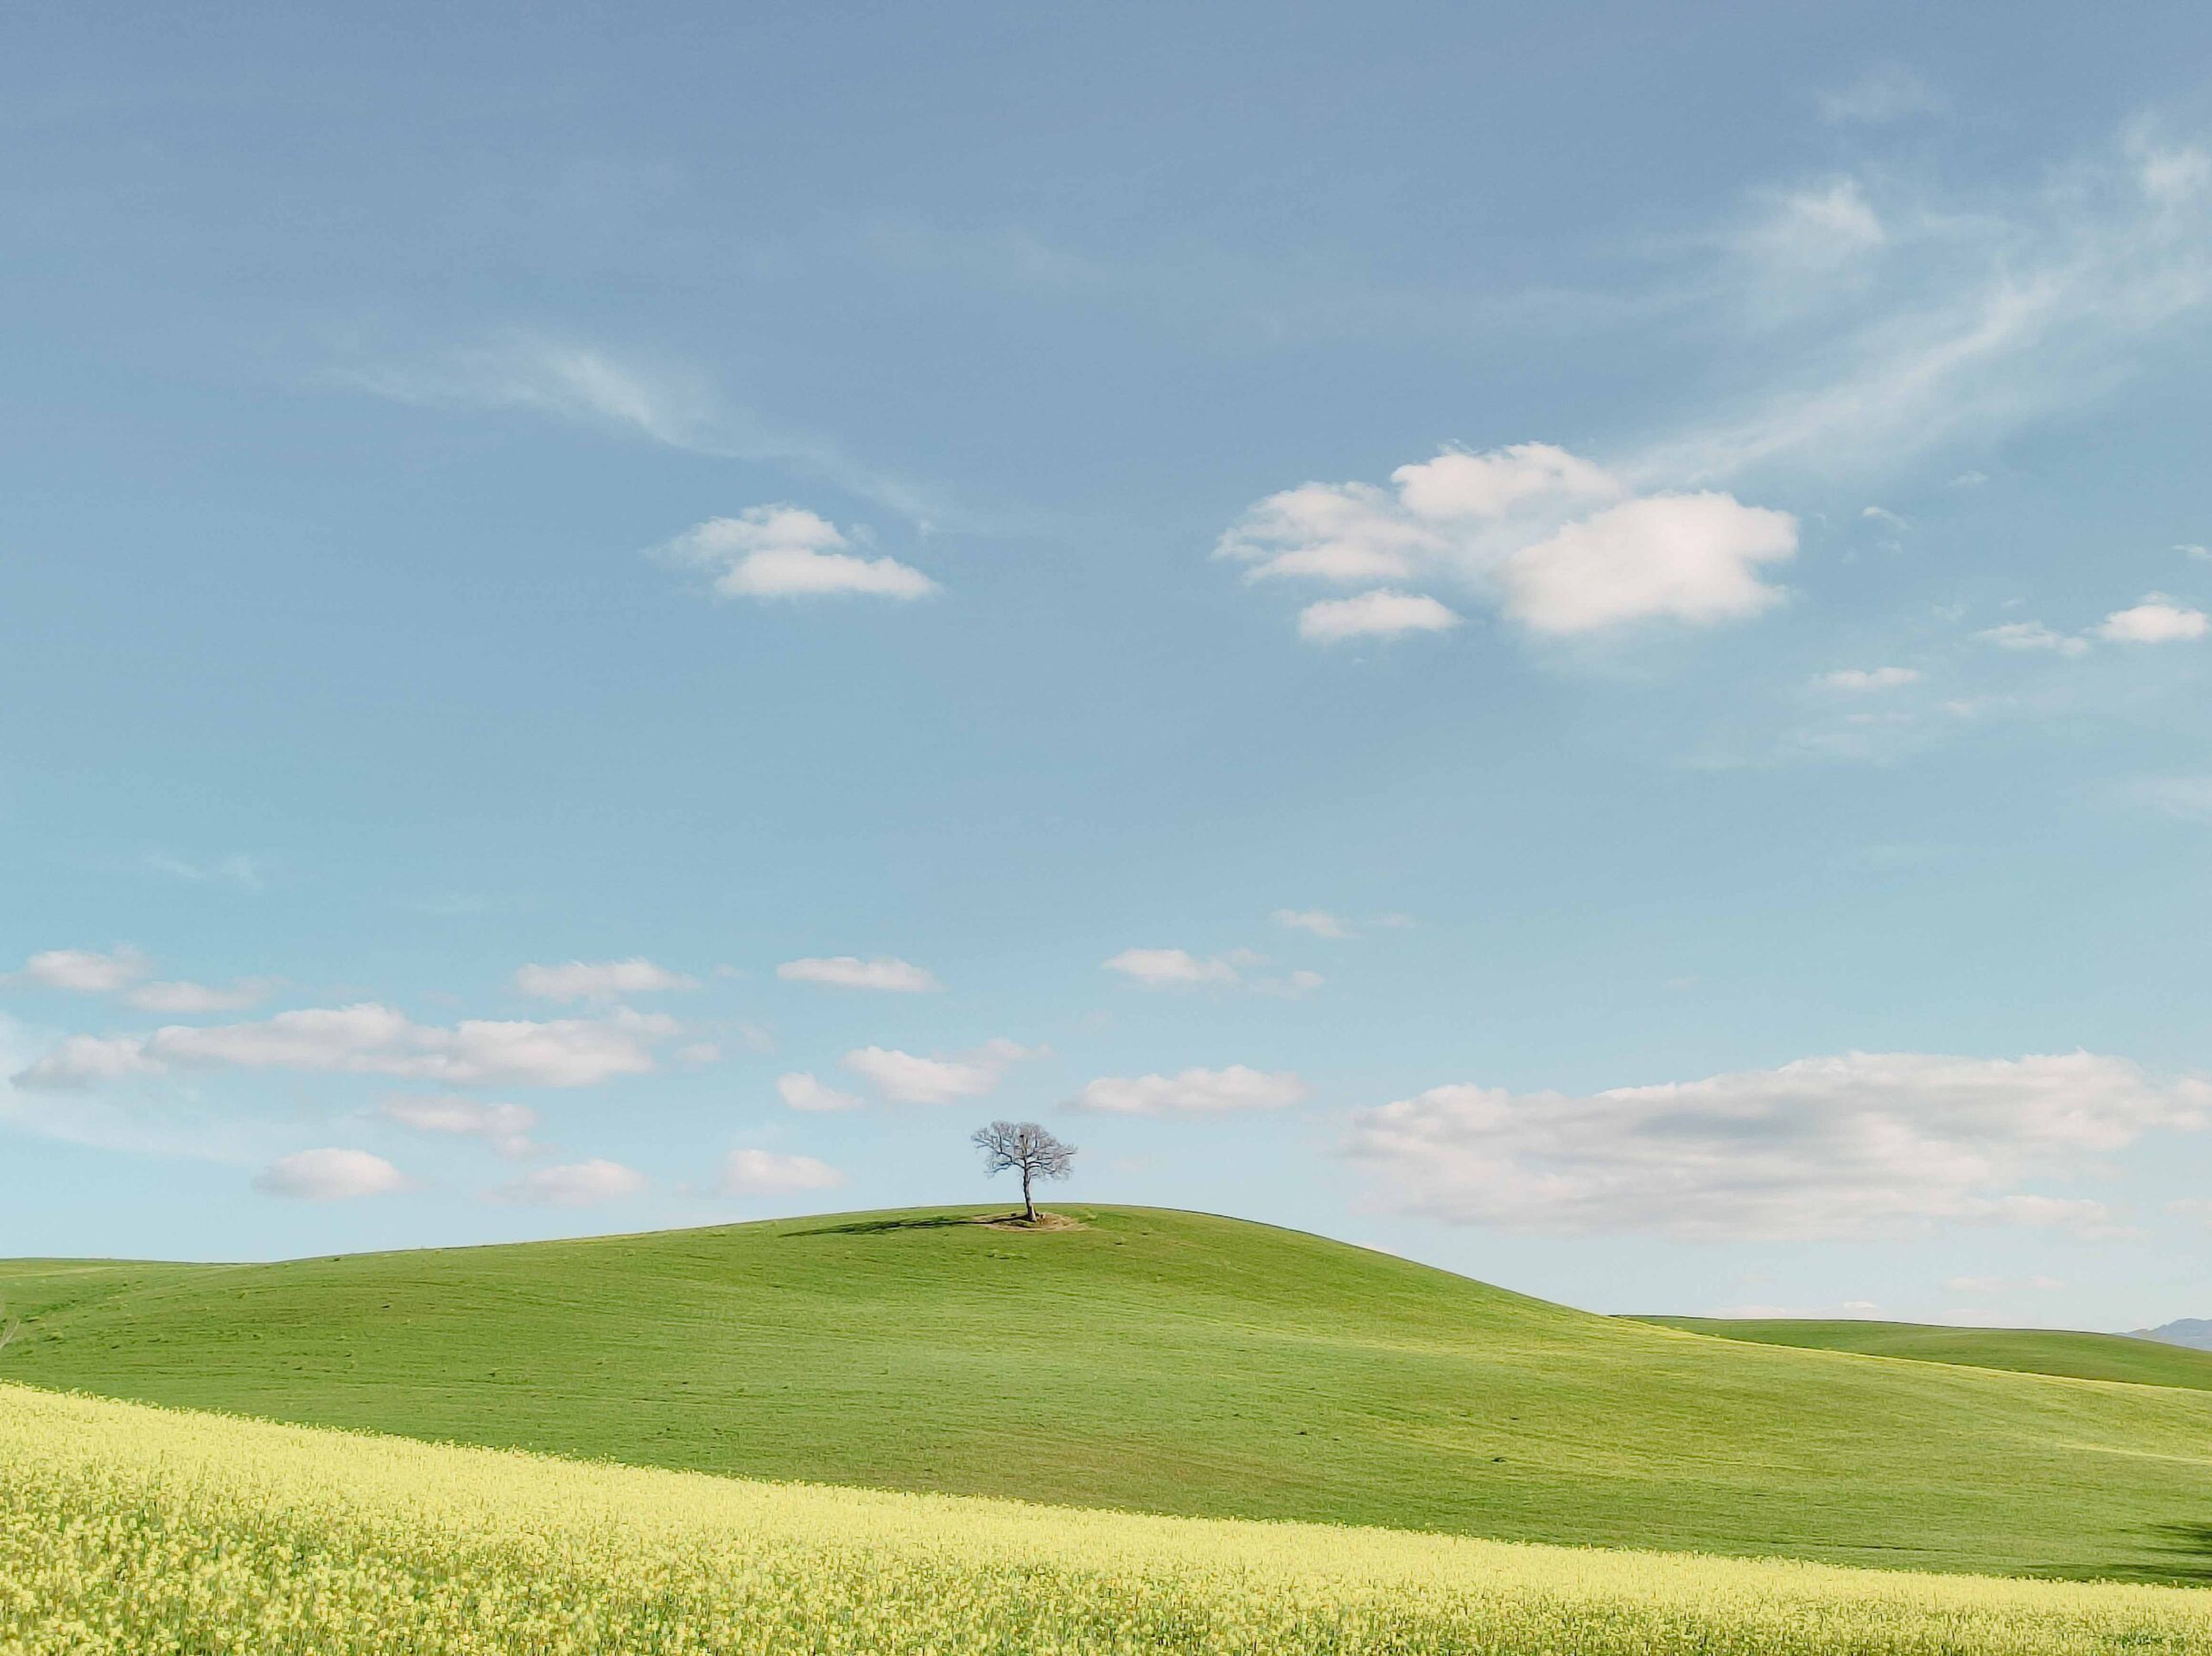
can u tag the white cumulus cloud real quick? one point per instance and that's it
(1865, 1144)
(372, 1040)
(907, 1078)
(802, 1089)
(329, 1175)
(1162, 968)
(787, 551)
(2157, 620)
(575, 1184)
(2032, 635)
(506, 1127)
(1191, 1092)
(86, 971)
(123, 970)
(591, 980)
(1558, 543)
(765, 1173)
(1380, 613)
(1687, 558)
(849, 971)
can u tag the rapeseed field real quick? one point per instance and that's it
(127, 1529)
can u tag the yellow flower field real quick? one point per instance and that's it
(127, 1529)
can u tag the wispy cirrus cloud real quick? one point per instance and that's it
(238, 870)
(1859, 681)
(1984, 313)
(1893, 322)
(676, 407)
(1887, 93)
(2185, 799)
(1317, 921)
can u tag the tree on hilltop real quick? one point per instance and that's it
(1027, 1149)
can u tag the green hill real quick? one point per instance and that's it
(1157, 1360)
(2025, 1351)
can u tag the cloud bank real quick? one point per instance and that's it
(1862, 1145)
(371, 1040)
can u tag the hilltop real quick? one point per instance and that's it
(1156, 1360)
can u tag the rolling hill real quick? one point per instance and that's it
(1155, 1361)
(125, 1528)
(2025, 1351)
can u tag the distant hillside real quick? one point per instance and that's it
(2025, 1351)
(2195, 1332)
(1158, 1360)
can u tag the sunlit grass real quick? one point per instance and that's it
(127, 1529)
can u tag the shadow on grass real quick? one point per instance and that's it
(2186, 1547)
(2190, 1545)
(877, 1226)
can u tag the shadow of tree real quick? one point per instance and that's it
(877, 1226)
(2188, 1545)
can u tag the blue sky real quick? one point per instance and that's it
(1574, 643)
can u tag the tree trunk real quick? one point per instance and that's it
(1029, 1207)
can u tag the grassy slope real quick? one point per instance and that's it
(2026, 1351)
(1160, 1360)
(174, 1531)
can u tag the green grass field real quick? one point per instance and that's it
(1162, 1361)
(2025, 1351)
(126, 1531)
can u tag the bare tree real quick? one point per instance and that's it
(1028, 1149)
